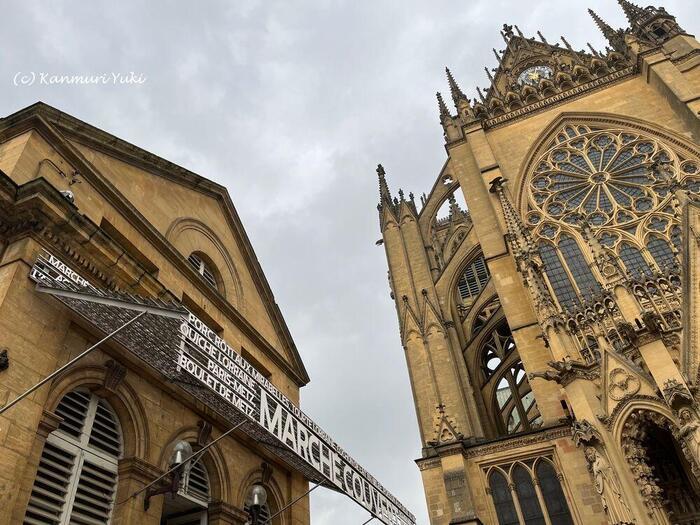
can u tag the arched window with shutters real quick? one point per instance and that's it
(76, 480)
(205, 268)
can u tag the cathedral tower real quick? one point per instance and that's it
(550, 324)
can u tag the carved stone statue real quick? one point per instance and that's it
(608, 486)
(689, 437)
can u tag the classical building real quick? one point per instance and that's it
(108, 248)
(550, 326)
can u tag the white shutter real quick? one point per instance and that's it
(77, 476)
(51, 486)
(105, 433)
(94, 494)
(197, 483)
(73, 408)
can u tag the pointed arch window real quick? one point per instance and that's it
(661, 252)
(578, 266)
(529, 503)
(558, 278)
(552, 494)
(502, 499)
(76, 480)
(505, 384)
(473, 280)
(633, 260)
(528, 492)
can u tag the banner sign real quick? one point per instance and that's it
(212, 361)
(218, 367)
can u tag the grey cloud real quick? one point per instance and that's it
(291, 105)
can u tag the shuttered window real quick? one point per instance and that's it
(474, 279)
(76, 480)
(203, 269)
(195, 483)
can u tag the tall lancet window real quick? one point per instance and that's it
(506, 390)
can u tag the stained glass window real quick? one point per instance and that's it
(578, 266)
(502, 499)
(558, 278)
(661, 252)
(552, 494)
(611, 181)
(529, 504)
(633, 260)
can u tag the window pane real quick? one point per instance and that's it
(529, 505)
(578, 266)
(474, 278)
(553, 495)
(558, 278)
(633, 260)
(502, 500)
(661, 252)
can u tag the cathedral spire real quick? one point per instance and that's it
(384, 195)
(614, 37)
(456, 92)
(633, 12)
(444, 112)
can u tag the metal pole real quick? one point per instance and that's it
(192, 457)
(366, 522)
(267, 521)
(69, 363)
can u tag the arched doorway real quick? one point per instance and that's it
(662, 472)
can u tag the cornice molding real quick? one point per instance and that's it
(55, 126)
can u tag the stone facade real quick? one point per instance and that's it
(127, 221)
(550, 329)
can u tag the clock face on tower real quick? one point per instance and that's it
(534, 74)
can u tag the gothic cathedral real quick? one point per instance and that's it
(550, 321)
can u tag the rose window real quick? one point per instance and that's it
(620, 183)
(608, 177)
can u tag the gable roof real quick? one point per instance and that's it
(57, 127)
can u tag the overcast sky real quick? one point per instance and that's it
(290, 105)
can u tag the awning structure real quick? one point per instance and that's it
(178, 345)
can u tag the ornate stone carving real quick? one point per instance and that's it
(653, 322)
(583, 433)
(628, 332)
(608, 487)
(445, 429)
(204, 433)
(566, 371)
(114, 374)
(622, 384)
(676, 393)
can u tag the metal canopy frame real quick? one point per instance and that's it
(154, 336)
